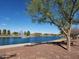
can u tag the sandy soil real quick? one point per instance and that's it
(41, 51)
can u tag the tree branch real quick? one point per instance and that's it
(64, 13)
(72, 9)
(75, 11)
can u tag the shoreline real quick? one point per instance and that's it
(60, 40)
(42, 51)
(28, 44)
(16, 45)
(21, 36)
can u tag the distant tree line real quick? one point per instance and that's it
(5, 32)
(27, 33)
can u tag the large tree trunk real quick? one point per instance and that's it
(68, 42)
(67, 35)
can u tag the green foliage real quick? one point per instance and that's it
(59, 2)
(25, 33)
(61, 32)
(61, 13)
(46, 34)
(15, 33)
(0, 32)
(34, 5)
(38, 6)
(8, 32)
(4, 31)
(28, 33)
(43, 11)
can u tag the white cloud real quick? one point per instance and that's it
(3, 24)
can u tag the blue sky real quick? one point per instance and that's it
(14, 17)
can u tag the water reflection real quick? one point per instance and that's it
(14, 40)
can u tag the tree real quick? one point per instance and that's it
(15, 33)
(4, 31)
(8, 32)
(61, 13)
(25, 33)
(45, 34)
(0, 32)
(61, 32)
(28, 33)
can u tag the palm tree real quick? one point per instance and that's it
(61, 13)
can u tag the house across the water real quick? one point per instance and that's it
(75, 33)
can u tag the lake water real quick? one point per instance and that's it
(12, 40)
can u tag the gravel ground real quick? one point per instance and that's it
(41, 51)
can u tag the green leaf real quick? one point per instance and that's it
(60, 2)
